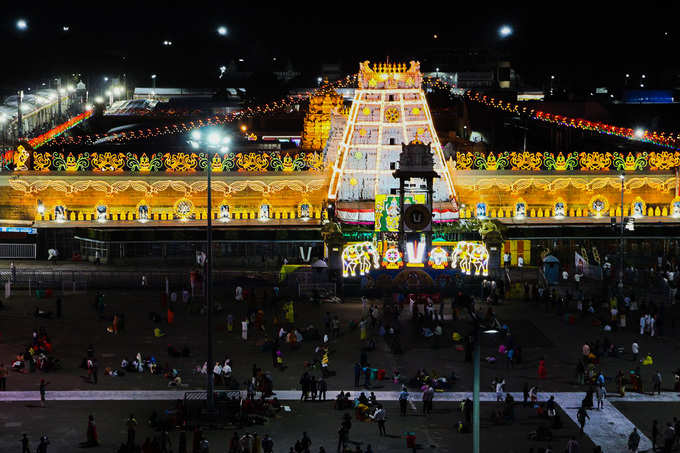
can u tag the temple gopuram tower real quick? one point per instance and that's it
(389, 109)
(317, 122)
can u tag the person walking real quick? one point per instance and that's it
(600, 397)
(91, 437)
(43, 386)
(582, 415)
(635, 349)
(657, 382)
(313, 387)
(379, 417)
(95, 371)
(322, 388)
(44, 442)
(244, 330)
(633, 441)
(403, 401)
(428, 396)
(25, 447)
(3, 377)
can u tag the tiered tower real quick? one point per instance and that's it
(317, 123)
(389, 109)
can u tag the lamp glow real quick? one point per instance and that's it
(505, 31)
(213, 138)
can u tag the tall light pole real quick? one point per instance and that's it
(153, 85)
(211, 141)
(623, 179)
(479, 328)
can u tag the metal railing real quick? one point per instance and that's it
(18, 251)
(79, 280)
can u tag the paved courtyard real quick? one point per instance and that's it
(542, 335)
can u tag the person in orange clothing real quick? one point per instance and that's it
(171, 316)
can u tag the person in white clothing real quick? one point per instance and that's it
(652, 325)
(520, 261)
(642, 325)
(238, 294)
(500, 384)
(635, 348)
(244, 330)
(565, 275)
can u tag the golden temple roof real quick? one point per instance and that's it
(389, 75)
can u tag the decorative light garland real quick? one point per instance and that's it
(664, 139)
(180, 128)
(58, 130)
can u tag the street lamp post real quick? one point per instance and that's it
(479, 328)
(475, 391)
(623, 178)
(214, 142)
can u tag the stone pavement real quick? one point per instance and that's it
(608, 427)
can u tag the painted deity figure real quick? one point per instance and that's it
(638, 209)
(559, 208)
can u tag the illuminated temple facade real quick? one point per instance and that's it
(347, 161)
(389, 109)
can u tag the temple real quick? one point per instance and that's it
(346, 169)
(389, 109)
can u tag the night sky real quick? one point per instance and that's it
(586, 45)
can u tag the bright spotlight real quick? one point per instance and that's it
(88, 107)
(244, 128)
(22, 24)
(194, 145)
(226, 139)
(222, 30)
(639, 133)
(214, 138)
(196, 135)
(98, 99)
(505, 31)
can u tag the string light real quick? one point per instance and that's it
(58, 130)
(657, 138)
(289, 102)
(285, 104)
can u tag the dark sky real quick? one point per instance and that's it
(584, 42)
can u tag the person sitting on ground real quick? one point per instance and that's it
(363, 399)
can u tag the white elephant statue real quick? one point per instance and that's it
(468, 255)
(359, 258)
